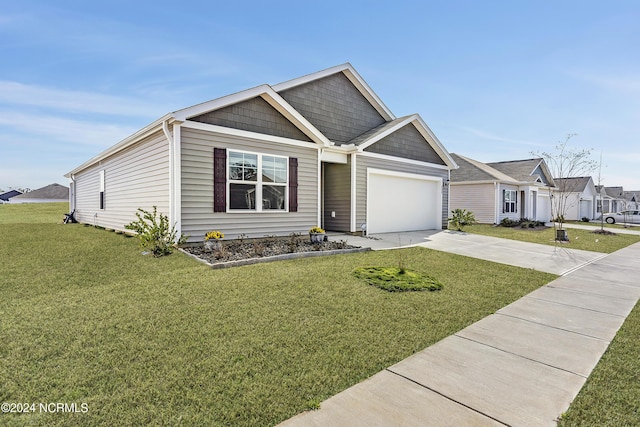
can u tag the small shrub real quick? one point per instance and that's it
(258, 248)
(585, 219)
(507, 222)
(221, 252)
(154, 232)
(392, 279)
(295, 239)
(461, 218)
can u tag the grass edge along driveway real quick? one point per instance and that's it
(578, 238)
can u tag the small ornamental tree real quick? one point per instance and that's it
(563, 163)
(154, 232)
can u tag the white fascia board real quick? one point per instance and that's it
(403, 174)
(128, 141)
(547, 172)
(270, 96)
(283, 107)
(424, 130)
(384, 133)
(353, 76)
(198, 109)
(403, 160)
(474, 182)
(435, 142)
(248, 134)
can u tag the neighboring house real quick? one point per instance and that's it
(495, 191)
(4, 197)
(48, 194)
(632, 199)
(273, 160)
(581, 197)
(612, 198)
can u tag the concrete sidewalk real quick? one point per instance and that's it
(519, 367)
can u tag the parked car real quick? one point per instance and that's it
(632, 217)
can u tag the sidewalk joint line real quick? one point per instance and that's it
(554, 327)
(448, 397)
(521, 356)
(587, 292)
(573, 306)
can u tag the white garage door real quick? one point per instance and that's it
(543, 208)
(402, 202)
(586, 209)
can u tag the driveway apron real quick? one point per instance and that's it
(521, 366)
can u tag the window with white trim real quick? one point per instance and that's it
(257, 182)
(510, 201)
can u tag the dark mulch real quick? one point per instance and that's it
(605, 232)
(235, 250)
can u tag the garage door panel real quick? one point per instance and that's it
(403, 203)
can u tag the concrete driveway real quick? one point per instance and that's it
(555, 259)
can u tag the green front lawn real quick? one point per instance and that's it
(578, 238)
(85, 318)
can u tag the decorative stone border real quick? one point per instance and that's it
(250, 261)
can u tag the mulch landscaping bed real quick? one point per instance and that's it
(236, 252)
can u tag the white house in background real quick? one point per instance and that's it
(50, 193)
(613, 199)
(581, 197)
(495, 191)
(321, 149)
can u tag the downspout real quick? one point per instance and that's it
(171, 140)
(320, 200)
(496, 202)
(167, 134)
(353, 196)
(72, 196)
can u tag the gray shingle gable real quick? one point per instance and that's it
(407, 143)
(574, 184)
(51, 191)
(254, 115)
(335, 107)
(470, 171)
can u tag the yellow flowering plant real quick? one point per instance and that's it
(214, 235)
(316, 230)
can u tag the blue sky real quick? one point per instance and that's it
(494, 80)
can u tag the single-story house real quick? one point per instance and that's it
(581, 197)
(4, 197)
(321, 149)
(612, 198)
(50, 193)
(495, 191)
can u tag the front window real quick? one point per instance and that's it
(257, 181)
(510, 201)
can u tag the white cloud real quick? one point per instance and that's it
(75, 101)
(56, 129)
(486, 135)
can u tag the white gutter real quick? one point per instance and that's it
(167, 134)
(175, 182)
